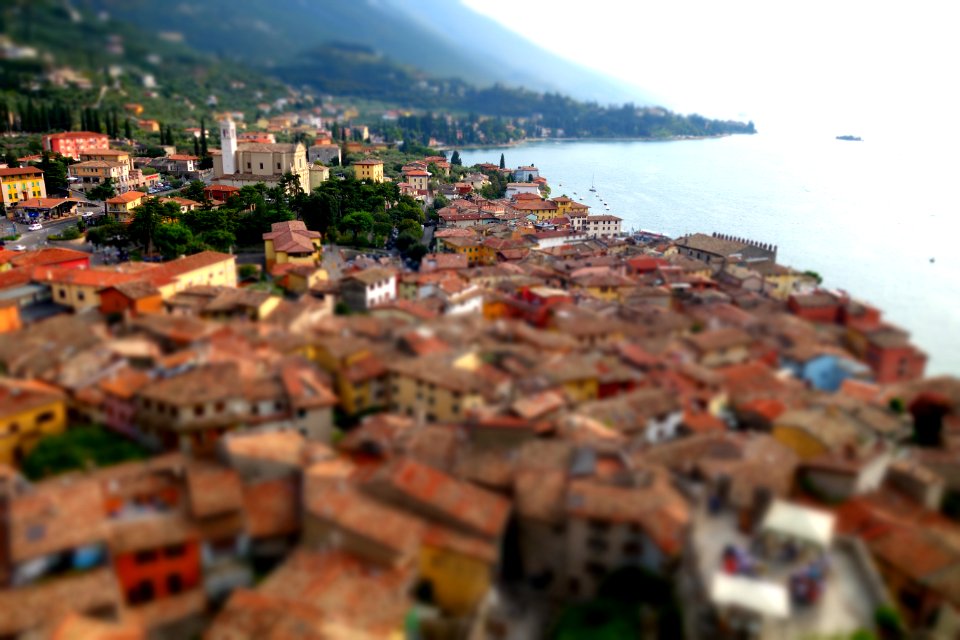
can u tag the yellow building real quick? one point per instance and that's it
(369, 169)
(433, 389)
(458, 568)
(474, 249)
(291, 241)
(811, 433)
(80, 288)
(106, 155)
(567, 205)
(21, 184)
(91, 173)
(28, 412)
(360, 376)
(122, 205)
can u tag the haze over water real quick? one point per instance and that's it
(868, 216)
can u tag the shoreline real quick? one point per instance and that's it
(517, 143)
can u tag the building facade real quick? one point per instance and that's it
(73, 143)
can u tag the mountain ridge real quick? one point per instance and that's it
(442, 38)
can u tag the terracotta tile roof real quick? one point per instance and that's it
(292, 237)
(47, 256)
(183, 157)
(68, 135)
(151, 531)
(272, 508)
(35, 606)
(99, 278)
(55, 516)
(181, 266)
(540, 495)
(80, 627)
(18, 171)
(330, 594)
(124, 383)
(458, 502)
(441, 537)
(658, 508)
(17, 396)
(213, 491)
(914, 552)
(125, 198)
(344, 506)
(202, 384)
(285, 446)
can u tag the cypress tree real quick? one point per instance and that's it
(128, 134)
(196, 146)
(203, 139)
(503, 163)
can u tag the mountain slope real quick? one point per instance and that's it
(442, 37)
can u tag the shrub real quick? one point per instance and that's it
(70, 233)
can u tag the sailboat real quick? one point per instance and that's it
(592, 188)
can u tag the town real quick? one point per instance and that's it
(330, 390)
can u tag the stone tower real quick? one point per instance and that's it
(228, 146)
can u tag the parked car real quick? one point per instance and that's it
(18, 247)
(36, 226)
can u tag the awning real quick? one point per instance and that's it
(767, 599)
(802, 523)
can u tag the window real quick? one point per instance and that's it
(62, 293)
(145, 557)
(219, 407)
(80, 295)
(278, 165)
(174, 584)
(248, 165)
(261, 165)
(175, 551)
(597, 545)
(599, 526)
(596, 569)
(198, 410)
(143, 592)
(46, 416)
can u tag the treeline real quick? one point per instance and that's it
(499, 113)
(45, 116)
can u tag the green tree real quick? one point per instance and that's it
(79, 448)
(103, 191)
(173, 240)
(203, 138)
(148, 219)
(127, 132)
(503, 162)
(440, 201)
(357, 222)
(455, 159)
(194, 191)
(218, 240)
(111, 234)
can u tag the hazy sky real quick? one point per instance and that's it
(840, 64)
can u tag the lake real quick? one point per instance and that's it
(876, 218)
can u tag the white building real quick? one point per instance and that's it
(514, 188)
(526, 173)
(241, 164)
(604, 226)
(365, 289)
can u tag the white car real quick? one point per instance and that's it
(18, 247)
(36, 226)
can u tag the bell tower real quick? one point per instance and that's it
(228, 146)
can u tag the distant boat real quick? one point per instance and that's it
(850, 138)
(592, 188)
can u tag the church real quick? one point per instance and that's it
(247, 163)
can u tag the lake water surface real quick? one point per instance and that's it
(877, 218)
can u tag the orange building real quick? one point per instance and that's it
(73, 143)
